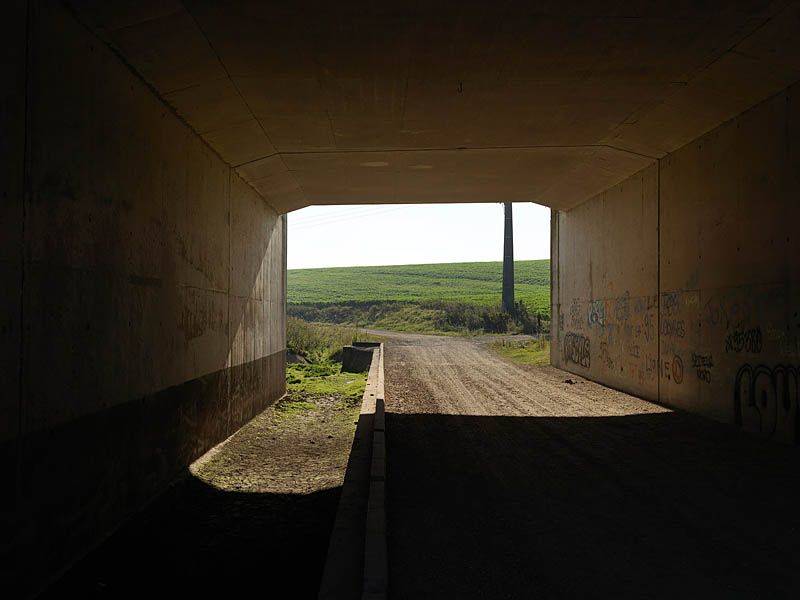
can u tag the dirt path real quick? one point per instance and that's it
(251, 519)
(507, 482)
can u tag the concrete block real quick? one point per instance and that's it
(366, 344)
(356, 360)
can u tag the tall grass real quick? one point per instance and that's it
(424, 317)
(531, 352)
(317, 342)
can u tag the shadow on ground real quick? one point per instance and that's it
(197, 541)
(659, 505)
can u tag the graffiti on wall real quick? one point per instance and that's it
(575, 320)
(576, 350)
(670, 303)
(730, 308)
(672, 370)
(649, 328)
(605, 356)
(702, 364)
(786, 339)
(673, 328)
(765, 400)
(622, 307)
(615, 336)
(650, 366)
(621, 331)
(597, 313)
(744, 340)
(686, 337)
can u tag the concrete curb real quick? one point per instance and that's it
(376, 574)
(356, 564)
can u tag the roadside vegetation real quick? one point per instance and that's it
(320, 375)
(449, 298)
(303, 381)
(319, 342)
(528, 352)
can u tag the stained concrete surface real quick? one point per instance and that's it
(13, 70)
(143, 296)
(150, 151)
(509, 482)
(682, 283)
(251, 517)
(364, 102)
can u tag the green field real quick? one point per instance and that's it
(471, 283)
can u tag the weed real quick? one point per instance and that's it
(319, 343)
(532, 352)
(324, 379)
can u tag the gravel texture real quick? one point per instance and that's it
(506, 481)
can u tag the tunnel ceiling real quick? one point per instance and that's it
(399, 101)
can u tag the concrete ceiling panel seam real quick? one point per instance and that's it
(407, 79)
(684, 87)
(235, 86)
(116, 52)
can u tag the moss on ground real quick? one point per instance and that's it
(289, 406)
(321, 379)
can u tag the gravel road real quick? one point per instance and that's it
(508, 482)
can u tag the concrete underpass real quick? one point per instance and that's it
(151, 152)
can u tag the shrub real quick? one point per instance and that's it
(431, 316)
(317, 342)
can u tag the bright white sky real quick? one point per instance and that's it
(404, 234)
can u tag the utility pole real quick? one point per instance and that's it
(508, 261)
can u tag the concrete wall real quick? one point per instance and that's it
(608, 284)
(152, 291)
(12, 145)
(682, 284)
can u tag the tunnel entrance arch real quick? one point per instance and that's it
(152, 151)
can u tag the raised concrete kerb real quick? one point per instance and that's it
(376, 574)
(356, 565)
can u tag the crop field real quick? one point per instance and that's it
(471, 283)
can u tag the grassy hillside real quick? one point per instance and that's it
(471, 283)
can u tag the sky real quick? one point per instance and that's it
(403, 234)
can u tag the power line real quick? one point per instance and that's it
(337, 211)
(356, 211)
(341, 219)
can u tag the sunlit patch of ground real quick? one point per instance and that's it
(300, 445)
(262, 502)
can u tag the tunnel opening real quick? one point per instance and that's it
(434, 268)
(152, 153)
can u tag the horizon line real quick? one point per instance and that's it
(466, 262)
